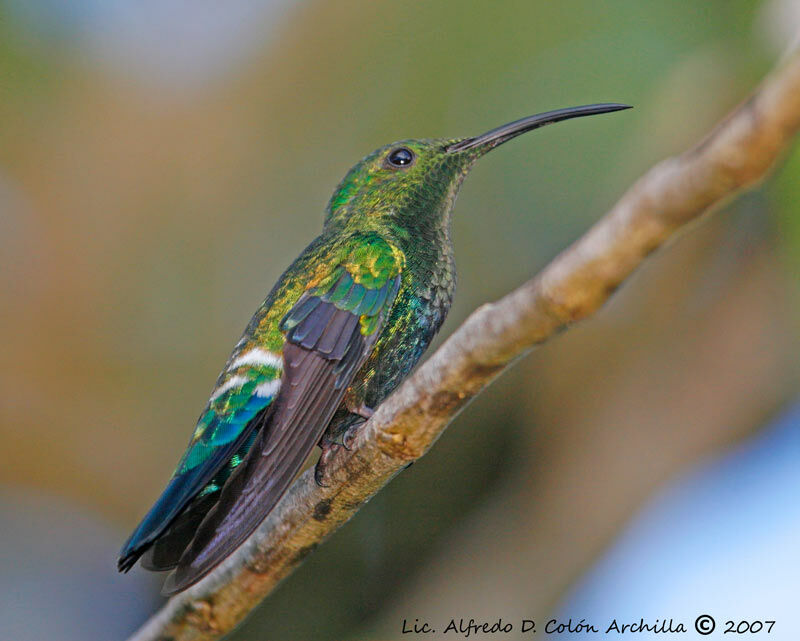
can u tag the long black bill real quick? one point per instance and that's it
(504, 133)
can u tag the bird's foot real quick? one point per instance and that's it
(362, 414)
(332, 440)
(329, 449)
(349, 435)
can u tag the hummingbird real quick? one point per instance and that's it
(339, 331)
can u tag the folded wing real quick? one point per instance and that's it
(329, 333)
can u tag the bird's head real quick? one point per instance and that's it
(411, 185)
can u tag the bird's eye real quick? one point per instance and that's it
(400, 157)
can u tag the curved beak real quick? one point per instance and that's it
(504, 133)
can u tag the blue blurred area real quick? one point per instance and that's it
(175, 43)
(58, 578)
(724, 540)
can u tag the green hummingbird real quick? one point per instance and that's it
(342, 327)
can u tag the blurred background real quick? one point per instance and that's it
(162, 162)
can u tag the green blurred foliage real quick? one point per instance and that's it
(786, 199)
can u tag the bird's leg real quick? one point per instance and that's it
(362, 410)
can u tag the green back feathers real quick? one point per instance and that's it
(366, 277)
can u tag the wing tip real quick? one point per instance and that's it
(171, 586)
(178, 581)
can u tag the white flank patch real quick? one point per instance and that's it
(270, 388)
(236, 381)
(259, 357)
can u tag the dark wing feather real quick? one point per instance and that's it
(324, 349)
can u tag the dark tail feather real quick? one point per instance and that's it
(166, 551)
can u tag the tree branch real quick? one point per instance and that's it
(737, 153)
